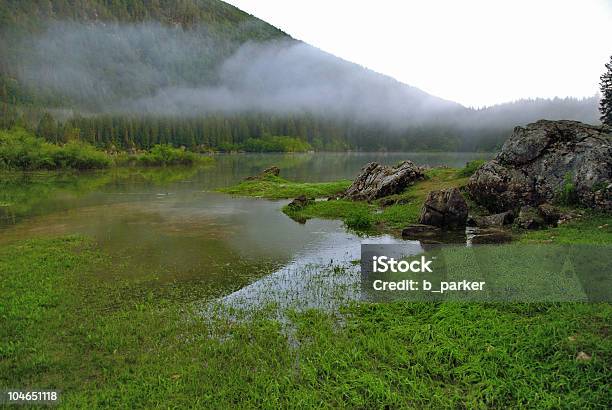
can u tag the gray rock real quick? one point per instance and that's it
(549, 213)
(533, 163)
(529, 218)
(500, 219)
(387, 202)
(300, 202)
(377, 181)
(418, 231)
(485, 236)
(445, 208)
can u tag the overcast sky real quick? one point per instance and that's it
(475, 52)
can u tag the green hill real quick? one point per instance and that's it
(205, 75)
(34, 32)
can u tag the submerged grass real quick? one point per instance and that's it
(114, 344)
(274, 187)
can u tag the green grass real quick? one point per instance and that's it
(116, 343)
(591, 228)
(406, 210)
(21, 150)
(274, 187)
(471, 167)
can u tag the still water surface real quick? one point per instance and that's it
(174, 226)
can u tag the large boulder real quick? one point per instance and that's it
(377, 181)
(446, 209)
(534, 165)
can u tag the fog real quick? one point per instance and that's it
(154, 69)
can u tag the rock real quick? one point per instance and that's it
(445, 208)
(385, 202)
(300, 202)
(485, 236)
(271, 171)
(529, 218)
(501, 219)
(583, 357)
(549, 213)
(418, 231)
(532, 166)
(377, 181)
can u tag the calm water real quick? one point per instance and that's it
(172, 224)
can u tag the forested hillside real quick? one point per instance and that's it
(205, 75)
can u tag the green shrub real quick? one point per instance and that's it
(20, 149)
(471, 167)
(164, 154)
(358, 219)
(568, 195)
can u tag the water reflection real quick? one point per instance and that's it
(172, 224)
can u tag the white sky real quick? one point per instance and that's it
(475, 52)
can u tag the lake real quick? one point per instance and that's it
(169, 225)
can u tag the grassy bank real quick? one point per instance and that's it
(274, 187)
(590, 228)
(114, 343)
(405, 207)
(23, 151)
(392, 213)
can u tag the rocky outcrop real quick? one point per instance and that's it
(534, 166)
(377, 181)
(272, 171)
(446, 209)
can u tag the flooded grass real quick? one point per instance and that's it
(111, 343)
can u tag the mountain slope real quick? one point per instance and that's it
(37, 35)
(203, 73)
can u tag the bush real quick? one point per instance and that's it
(358, 219)
(568, 195)
(471, 167)
(19, 149)
(164, 154)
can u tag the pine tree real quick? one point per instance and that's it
(605, 104)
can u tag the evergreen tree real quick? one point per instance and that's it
(605, 104)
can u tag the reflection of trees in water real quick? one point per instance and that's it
(24, 194)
